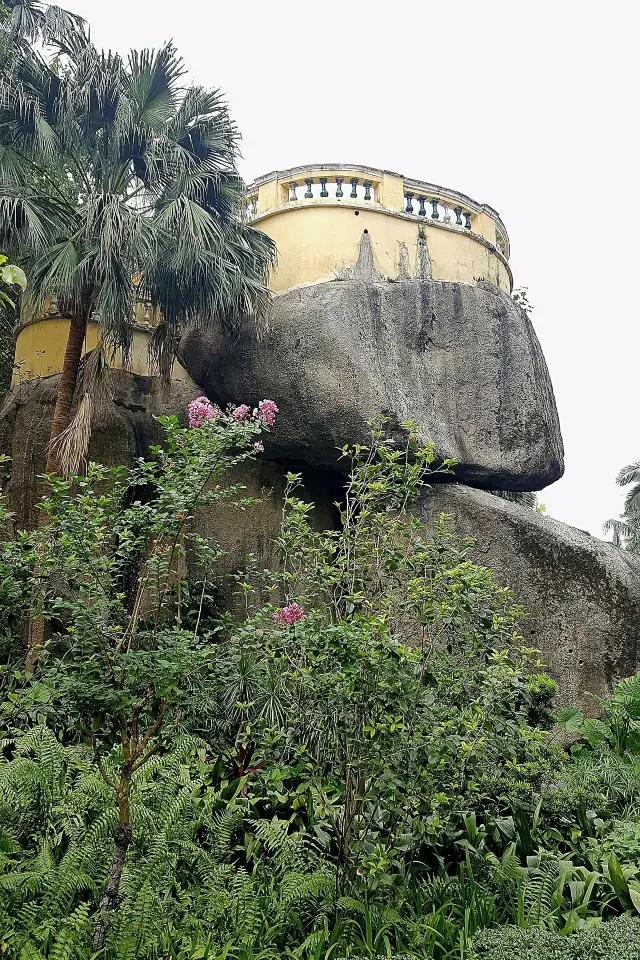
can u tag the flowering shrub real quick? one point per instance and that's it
(200, 410)
(241, 413)
(288, 615)
(267, 412)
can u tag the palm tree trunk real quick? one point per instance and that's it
(67, 386)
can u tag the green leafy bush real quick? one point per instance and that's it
(617, 940)
(361, 765)
(345, 743)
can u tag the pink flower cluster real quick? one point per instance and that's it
(266, 412)
(200, 410)
(288, 615)
(241, 413)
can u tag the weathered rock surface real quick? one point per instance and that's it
(582, 595)
(122, 431)
(462, 361)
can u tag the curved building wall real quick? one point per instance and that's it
(330, 222)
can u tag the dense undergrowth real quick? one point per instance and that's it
(358, 763)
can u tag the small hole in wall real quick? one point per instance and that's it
(357, 213)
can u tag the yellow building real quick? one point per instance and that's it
(318, 215)
(332, 222)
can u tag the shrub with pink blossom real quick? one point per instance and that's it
(266, 412)
(241, 412)
(200, 410)
(288, 615)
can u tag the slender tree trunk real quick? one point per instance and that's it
(36, 627)
(122, 842)
(67, 386)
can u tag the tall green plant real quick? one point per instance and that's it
(392, 676)
(120, 667)
(12, 280)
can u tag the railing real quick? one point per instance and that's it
(502, 241)
(353, 189)
(383, 190)
(438, 209)
(319, 182)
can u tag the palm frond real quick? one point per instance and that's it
(112, 169)
(32, 21)
(152, 85)
(73, 443)
(629, 474)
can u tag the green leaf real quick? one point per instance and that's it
(571, 718)
(619, 882)
(14, 276)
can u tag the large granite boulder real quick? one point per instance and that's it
(462, 361)
(582, 596)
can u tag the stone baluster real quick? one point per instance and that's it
(354, 192)
(467, 221)
(458, 213)
(422, 212)
(409, 207)
(434, 206)
(339, 182)
(447, 214)
(309, 192)
(292, 191)
(323, 187)
(367, 184)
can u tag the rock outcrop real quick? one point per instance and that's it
(123, 429)
(582, 596)
(461, 361)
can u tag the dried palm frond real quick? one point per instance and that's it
(73, 443)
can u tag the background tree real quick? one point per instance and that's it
(626, 529)
(118, 182)
(12, 279)
(526, 498)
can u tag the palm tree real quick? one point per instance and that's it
(119, 183)
(525, 498)
(626, 530)
(29, 21)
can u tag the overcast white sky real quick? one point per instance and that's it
(531, 107)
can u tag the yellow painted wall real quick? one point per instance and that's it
(40, 350)
(316, 241)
